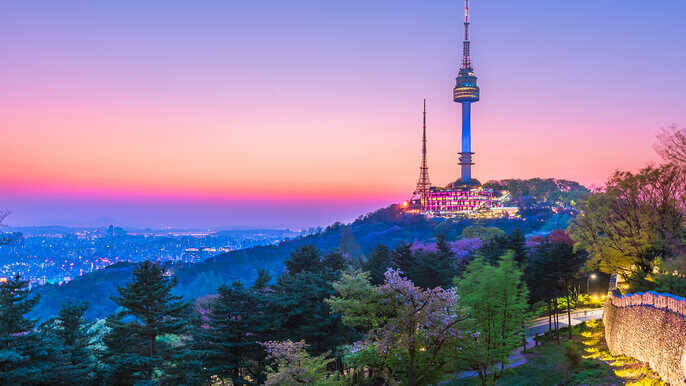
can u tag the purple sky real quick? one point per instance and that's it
(273, 113)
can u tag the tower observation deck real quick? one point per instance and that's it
(466, 92)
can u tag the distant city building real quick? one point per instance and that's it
(464, 197)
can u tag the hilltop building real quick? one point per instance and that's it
(465, 197)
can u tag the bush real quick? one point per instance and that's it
(573, 355)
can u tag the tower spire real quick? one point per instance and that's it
(466, 54)
(424, 183)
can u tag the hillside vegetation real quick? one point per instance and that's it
(388, 226)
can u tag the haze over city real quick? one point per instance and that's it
(303, 113)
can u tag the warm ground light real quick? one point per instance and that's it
(584, 360)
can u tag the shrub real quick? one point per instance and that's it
(573, 355)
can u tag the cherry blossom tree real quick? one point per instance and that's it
(414, 331)
(295, 366)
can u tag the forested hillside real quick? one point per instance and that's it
(388, 226)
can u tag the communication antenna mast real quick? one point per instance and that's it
(424, 183)
(466, 49)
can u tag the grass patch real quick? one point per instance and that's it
(567, 363)
(552, 364)
(585, 360)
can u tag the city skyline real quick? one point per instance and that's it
(269, 115)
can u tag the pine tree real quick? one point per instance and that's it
(263, 278)
(24, 359)
(184, 366)
(378, 262)
(229, 346)
(69, 332)
(518, 245)
(149, 310)
(443, 263)
(349, 247)
(305, 258)
(403, 259)
(334, 261)
(298, 307)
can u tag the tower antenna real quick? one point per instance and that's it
(466, 52)
(466, 11)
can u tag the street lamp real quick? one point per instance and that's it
(588, 283)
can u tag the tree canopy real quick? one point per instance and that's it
(638, 218)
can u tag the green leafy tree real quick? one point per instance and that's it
(553, 270)
(229, 343)
(358, 301)
(638, 218)
(148, 312)
(24, 358)
(481, 232)
(495, 300)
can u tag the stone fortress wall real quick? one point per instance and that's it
(650, 327)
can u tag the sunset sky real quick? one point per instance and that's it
(298, 113)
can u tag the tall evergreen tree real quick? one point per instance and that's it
(305, 258)
(403, 259)
(263, 278)
(349, 247)
(334, 261)
(229, 346)
(444, 263)
(149, 311)
(517, 245)
(24, 359)
(379, 261)
(427, 269)
(69, 332)
(299, 309)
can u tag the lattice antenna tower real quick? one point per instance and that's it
(423, 184)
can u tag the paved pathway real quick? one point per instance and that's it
(539, 327)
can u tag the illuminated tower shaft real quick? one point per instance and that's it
(466, 92)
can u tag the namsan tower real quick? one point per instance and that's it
(465, 197)
(466, 92)
(423, 184)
